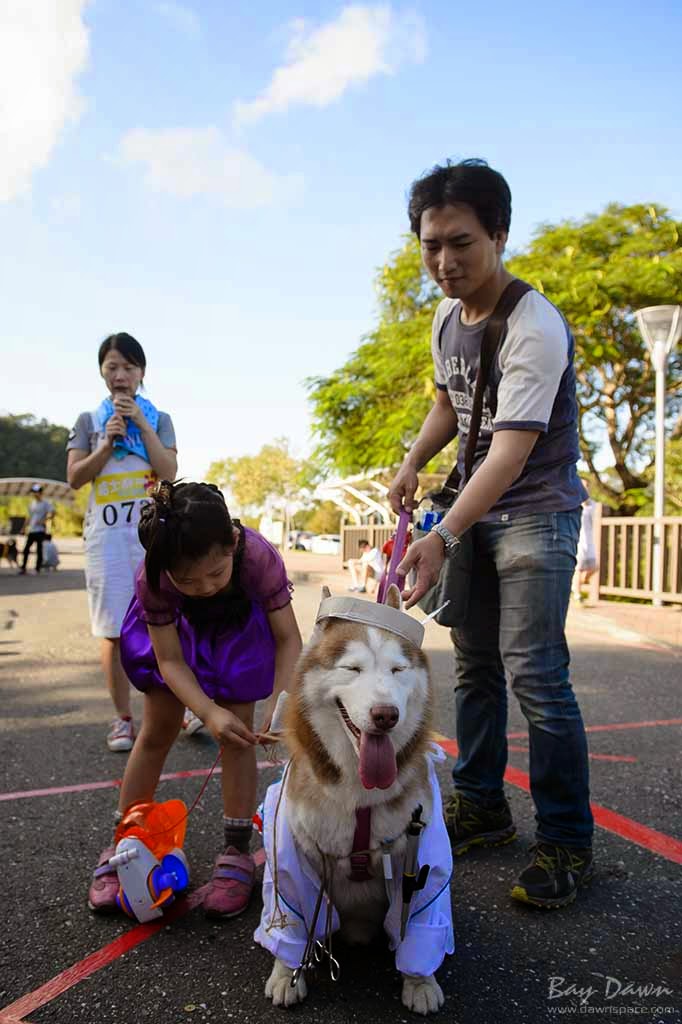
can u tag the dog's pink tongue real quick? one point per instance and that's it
(378, 769)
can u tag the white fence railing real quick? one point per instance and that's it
(625, 553)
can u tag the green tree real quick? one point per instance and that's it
(32, 447)
(324, 517)
(272, 477)
(368, 412)
(597, 271)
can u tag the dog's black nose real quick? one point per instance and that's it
(384, 716)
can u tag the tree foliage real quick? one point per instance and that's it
(270, 478)
(324, 517)
(32, 447)
(368, 412)
(598, 272)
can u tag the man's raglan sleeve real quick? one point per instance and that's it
(533, 358)
(440, 376)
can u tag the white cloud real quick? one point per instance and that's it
(183, 18)
(187, 162)
(326, 61)
(43, 49)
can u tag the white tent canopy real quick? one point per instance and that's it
(53, 490)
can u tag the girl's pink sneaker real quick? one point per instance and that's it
(104, 886)
(231, 884)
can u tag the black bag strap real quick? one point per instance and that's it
(490, 343)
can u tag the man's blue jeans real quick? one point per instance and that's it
(520, 589)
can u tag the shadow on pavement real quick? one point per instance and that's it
(12, 584)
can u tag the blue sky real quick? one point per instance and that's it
(223, 180)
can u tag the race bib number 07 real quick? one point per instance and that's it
(119, 492)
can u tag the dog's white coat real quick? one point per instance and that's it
(373, 669)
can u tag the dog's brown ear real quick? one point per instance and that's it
(326, 592)
(393, 598)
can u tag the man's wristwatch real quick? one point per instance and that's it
(449, 540)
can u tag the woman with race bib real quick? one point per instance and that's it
(122, 447)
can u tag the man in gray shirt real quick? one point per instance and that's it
(39, 512)
(522, 506)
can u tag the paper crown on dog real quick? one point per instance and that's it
(383, 616)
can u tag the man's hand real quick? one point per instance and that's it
(402, 491)
(225, 728)
(426, 556)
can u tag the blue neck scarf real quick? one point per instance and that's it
(132, 443)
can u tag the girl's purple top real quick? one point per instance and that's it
(262, 575)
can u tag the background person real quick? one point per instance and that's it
(39, 511)
(587, 553)
(370, 565)
(522, 505)
(50, 553)
(121, 447)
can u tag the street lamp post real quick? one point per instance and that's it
(661, 328)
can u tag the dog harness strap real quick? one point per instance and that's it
(359, 857)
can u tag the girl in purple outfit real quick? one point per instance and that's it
(211, 628)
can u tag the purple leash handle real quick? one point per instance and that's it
(391, 575)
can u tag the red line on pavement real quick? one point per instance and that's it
(14, 1012)
(100, 958)
(626, 828)
(82, 787)
(610, 728)
(611, 821)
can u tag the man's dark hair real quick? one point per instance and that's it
(364, 543)
(471, 182)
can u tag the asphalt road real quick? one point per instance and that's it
(625, 928)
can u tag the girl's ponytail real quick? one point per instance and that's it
(154, 531)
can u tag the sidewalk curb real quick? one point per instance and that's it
(621, 633)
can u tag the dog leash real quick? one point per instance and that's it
(391, 575)
(190, 810)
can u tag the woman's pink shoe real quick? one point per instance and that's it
(231, 884)
(104, 886)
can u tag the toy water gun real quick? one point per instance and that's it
(149, 860)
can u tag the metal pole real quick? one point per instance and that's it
(659, 359)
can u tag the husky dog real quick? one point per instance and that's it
(357, 728)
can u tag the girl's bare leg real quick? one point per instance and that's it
(239, 769)
(116, 679)
(161, 724)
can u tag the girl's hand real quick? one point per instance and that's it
(225, 727)
(268, 712)
(427, 557)
(128, 407)
(115, 427)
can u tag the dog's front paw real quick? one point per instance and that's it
(422, 995)
(278, 987)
